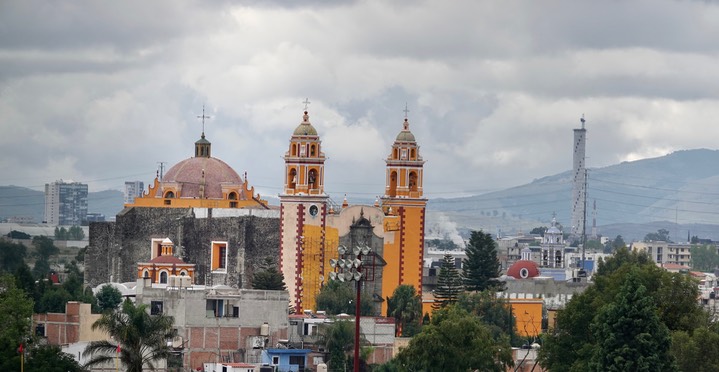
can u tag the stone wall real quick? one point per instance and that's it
(115, 248)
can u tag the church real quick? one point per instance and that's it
(204, 214)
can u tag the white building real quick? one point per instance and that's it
(132, 190)
(65, 203)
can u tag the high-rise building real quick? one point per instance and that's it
(579, 184)
(65, 203)
(132, 190)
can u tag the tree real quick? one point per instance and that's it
(108, 297)
(405, 306)
(572, 343)
(337, 297)
(338, 338)
(141, 338)
(14, 234)
(44, 249)
(538, 230)
(704, 257)
(662, 235)
(15, 321)
(50, 358)
(455, 341)
(268, 277)
(12, 256)
(697, 351)
(481, 268)
(630, 335)
(449, 284)
(493, 312)
(75, 233)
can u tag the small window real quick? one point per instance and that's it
(219, 256)
(233, 204)
(275, 360)
(404, 154)
(235, 312)
(146, 274)
(163, 277)
(232, 196)
(156, 307)
(303, 150)
(168, 202)
(169, 195)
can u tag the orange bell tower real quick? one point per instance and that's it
(404, 207)
(303, 215)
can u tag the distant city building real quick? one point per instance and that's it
(132, 190)
(95, 217)
(65, 203)
(666, 253)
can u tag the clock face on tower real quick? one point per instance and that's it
(313, 210)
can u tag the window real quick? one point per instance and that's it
(309, 329)
(312, 151)
(169, 195)
(275, 360)
(156, 307)
(219, 256)
(404, 154)
(232, 196)
(302, 150)
(163, 277)
(221, 309)
(298, 360)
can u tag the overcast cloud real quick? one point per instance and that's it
(100, 92)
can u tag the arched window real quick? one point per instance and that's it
(412, 181)
(232, 196)
(393, 184)
(169, 195)
(411, 154)
(163, 277)
(312, 179)
(145, 274)
(294, 149)
(292, 178)
(312, 151)
(395, 154)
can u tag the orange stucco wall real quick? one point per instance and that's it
(528, 315)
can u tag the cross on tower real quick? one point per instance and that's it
(203, 117)
(406, 110)
(306, 102)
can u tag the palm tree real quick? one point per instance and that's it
(141, 338)
(405, 306)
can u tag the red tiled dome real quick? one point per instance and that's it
(523, 269)
(188, 173)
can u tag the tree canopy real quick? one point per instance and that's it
(141, 338)
(662, 235)
(481, 268)
(268, 277)
(449, 283)
(337, 297)
(15, 318)
(454, 341)
(405, 306)
(108, 298)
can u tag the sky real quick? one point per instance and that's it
(101, 92)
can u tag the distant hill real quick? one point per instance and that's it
(16, 201)
(682, 187)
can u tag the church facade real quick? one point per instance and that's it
(217, 222)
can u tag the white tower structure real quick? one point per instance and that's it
(579, 183)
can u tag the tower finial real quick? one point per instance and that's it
(582, 120)
(306, 102)
(203, 117)
(406, 110)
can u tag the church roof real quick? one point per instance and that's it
(167, 260)
(189, 173)
(305, 128)
(405, 135)
(523, 269)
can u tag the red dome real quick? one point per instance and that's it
(523, 269)
(188, 173)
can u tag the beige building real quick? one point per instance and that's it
(665, 253)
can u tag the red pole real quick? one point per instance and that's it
(357, 326)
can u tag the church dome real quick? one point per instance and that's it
(188, 174)
(405, 135)
(523, 269)
(305, 128)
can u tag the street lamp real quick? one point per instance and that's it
(349, 269)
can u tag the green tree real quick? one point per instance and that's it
(141, 338)
(572, 343)
(75, 233)
(108, 298)
(697, 351)
(629, 334)
(50, 358)
(405, 306)
(493, 312)
(455, 341)
(12, 256)
(337, 297)
(704, 257)
(449, 284)
(662, 235)
(338, 338)
(15, 321)
(539, 230)
(14, 234)
(481, 268)
(44, 249)
(268, 277)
